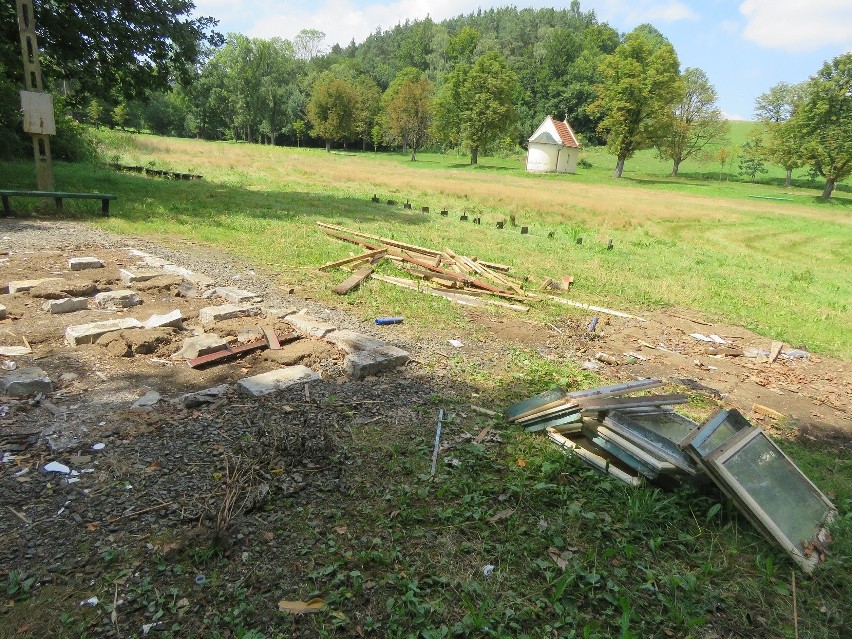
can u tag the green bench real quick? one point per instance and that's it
(57, 196)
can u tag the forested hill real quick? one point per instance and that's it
(553, 52)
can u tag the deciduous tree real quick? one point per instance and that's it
(332, 109)
(639, 85)
(824, 121)
(751, 158)
(775, 110)
(409, 114)
(695, 123)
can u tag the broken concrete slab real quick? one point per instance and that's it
(279, 313)
(68, 305)
(212, 314)
(307, 325)
(122, 298)
(351, 342)
(173, 319)
(147, 400)
(187, 289)
(235, 295)
(206, 396)
(130, 276)
(25, 382)
(249, 334)
(23, 286)
(12, 351)
(272, 381)
(363, 363)
(3, 312)
(84, 263)
(199, 345)
(88, 333)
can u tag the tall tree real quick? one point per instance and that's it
(112, 47)
(751, 158)
(309, 43)
(332, 109)
(824, 120)
(409, 114)
(476, 106)
(639, 85)
(775, 110)
(695, 124)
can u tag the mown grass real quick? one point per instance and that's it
(779, 268)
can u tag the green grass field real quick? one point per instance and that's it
(638, 562)
(779, 267)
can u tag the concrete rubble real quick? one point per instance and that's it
(173, 319)
(88, 333)
(67, 305)
(309, 326)
(213, 314)
(122, 298)
(25, 382)
(23, 286)
(272, 381)
(199, 345)
(84, 263)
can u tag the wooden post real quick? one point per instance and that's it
(32, 82)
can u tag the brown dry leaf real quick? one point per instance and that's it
(393, 514)
(559, 557)
(92, 526)
(503, 514)
(301, 607)
(341, 530)
(269, 536)
(522, 462)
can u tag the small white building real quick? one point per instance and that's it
(553, 148)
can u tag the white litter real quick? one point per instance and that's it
(22, 472)
(64, 506)
(56, 467)
(701, 337)
(98, 446)
(8, 458)
(456, 343)
(488, 569)
(91, 601)
(718, 339)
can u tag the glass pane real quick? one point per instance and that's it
(672, 426)
(779, 488)
(730, 425)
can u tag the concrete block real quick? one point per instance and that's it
(235, 295)
(309, 326)
(207, 396)
(211, 314)
(88, 333)
(22, 286)
(68, 305)
(363, 363)
(199, 345)
(352, 342)
(26, 381)
(123, 298)
(3, 312)
(275, 380)
(279, 313)
(84, 263)
(147, 400)
(129, 276)
(173, 319)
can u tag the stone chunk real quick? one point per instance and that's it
(363, 363)
(88, 333)
(161, 282)
(211, 314)
(146, 401)
(123, 298)
(83, 263)
(275, 380)
(307, 325)
(3, 312)
(351, 342)
(26, 381)
(138, 275)
(235, 295)
(173, 319)
(207, 396)
(279, 313)
(199, 345)
(57, 290)
(68, 305)
(22, 286)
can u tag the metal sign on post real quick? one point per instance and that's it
(36, 104)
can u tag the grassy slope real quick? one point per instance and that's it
(639, 562)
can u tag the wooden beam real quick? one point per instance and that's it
(353, 281)
(355, 258)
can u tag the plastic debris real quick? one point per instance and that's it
(91, 601)
(98, 446)
(200, 580)
(488, 569)
(56, 467)
(456, 343)
(384, 321)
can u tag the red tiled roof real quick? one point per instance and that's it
(566, 135)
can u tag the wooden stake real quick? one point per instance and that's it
(357, 258)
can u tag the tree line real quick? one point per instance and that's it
(479, 82)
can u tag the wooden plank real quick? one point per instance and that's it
(597, 309)
(271, 338)
(453, 296)
(359, 242)
(776, 349)
(355, 258)
(353, 281)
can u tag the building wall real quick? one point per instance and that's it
(543, 158)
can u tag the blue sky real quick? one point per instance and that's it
(744, 46)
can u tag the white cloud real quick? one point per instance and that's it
(628, 14)
(794, 25)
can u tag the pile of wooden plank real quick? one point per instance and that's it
(638, 439)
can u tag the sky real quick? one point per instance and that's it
(744, 46)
